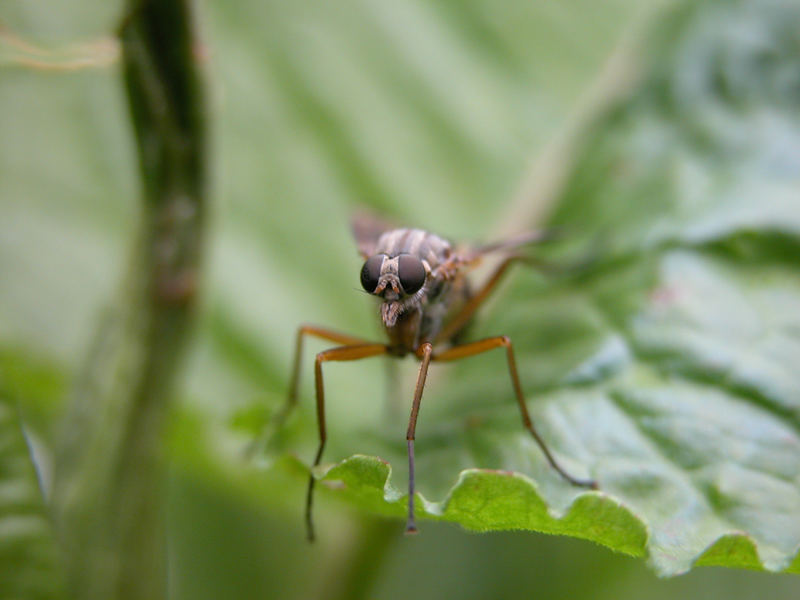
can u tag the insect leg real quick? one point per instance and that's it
(502, 341)
(465, 314)
(342, 353)
(319, 332)
(424, 352)
(277, 420)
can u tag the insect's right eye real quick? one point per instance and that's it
(371, 272)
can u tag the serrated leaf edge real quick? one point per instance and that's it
(438, 510)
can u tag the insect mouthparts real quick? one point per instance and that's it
(390, 311)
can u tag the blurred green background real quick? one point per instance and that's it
(430, 112)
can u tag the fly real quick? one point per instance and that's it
(425, 302)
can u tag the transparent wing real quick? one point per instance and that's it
(367, 228)
(474, 253)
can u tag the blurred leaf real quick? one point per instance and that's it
(29, 565)
(37, 386)
(667, 369)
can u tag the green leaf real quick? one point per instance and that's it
(485, 500)
(29, 566)
(667, 368)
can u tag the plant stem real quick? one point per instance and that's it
(107, 495)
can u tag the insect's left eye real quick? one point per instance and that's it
(371, 272)
(411, 272)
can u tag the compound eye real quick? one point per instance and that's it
(411, 272)
(371, 272)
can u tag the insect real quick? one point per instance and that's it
(425, 302)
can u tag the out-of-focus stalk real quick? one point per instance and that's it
(107, 497)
